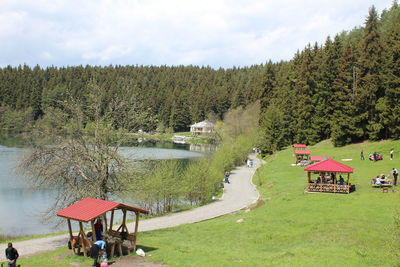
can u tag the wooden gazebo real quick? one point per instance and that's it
(328, 180)
(301, 155)
(315, 159)
(299, 146)
(88, 209)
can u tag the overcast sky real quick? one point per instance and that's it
(218, 33)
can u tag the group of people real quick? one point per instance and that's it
(376, 156)
(329, 179)
(383, 179)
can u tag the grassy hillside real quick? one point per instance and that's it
(294, 228)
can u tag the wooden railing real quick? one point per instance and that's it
(328, 188)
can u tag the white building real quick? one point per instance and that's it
(202, 128)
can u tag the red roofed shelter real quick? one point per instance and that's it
(318, 158)
(328, 180)
(301, 155)
(297, 146)
(87, 210)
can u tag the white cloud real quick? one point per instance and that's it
(210, 32)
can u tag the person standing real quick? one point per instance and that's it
(362, 154)
(391, 154)
(227, 177)
(98, 227)
(11, 255)
(395, 175)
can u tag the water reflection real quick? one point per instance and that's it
(21, 207)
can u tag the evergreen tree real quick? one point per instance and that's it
(393, 82)
(371, 86)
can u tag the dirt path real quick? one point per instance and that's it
(239, 194)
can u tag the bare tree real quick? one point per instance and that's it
(75, 150)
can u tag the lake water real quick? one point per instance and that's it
(21, 207)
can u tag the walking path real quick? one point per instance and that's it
(237, 195)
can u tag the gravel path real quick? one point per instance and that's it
(237, 195)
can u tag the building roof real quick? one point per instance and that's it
(329, 165)
(299, 145)
(203, 124)
(318, 158)
(302, 152)
(89, 208)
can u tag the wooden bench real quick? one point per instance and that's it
(129, 247)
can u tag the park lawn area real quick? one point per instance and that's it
(294, 228)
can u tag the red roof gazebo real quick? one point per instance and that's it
(88, 209)
(318, 158)
(301, 155)
(299, 146)
(327, 180)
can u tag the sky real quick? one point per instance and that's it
(216, 33)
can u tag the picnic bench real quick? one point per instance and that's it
(384, 183)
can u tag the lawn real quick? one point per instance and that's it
(293, 228)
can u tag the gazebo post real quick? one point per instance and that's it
(104, 221)
(82, 233)
(111, 219)
(320, 182)
(93, 231)
(348, 183)
(334, 184)
(124, 221)
(136, 228)
(70, 229)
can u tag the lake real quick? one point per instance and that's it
(21, 207)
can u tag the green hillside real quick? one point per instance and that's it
(294, 228)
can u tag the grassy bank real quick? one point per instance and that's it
(294, 228)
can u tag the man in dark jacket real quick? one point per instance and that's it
(11, 255)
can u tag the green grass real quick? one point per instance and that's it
(58, 257)
(293, 228)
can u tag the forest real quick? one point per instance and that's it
(347, 89)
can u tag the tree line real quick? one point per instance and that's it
(346, 89)
(165, 97)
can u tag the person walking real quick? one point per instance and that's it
(362, 154)
(98, 248)
(395, 173)
(11, 255)
(227, 177)
(391, 154)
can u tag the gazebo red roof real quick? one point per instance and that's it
(299, 145)
(329, 165)
(302, 152)
(89, 208)
(318, 158)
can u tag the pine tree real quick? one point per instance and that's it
(371, 85)
(343, 126)
(393, 81)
